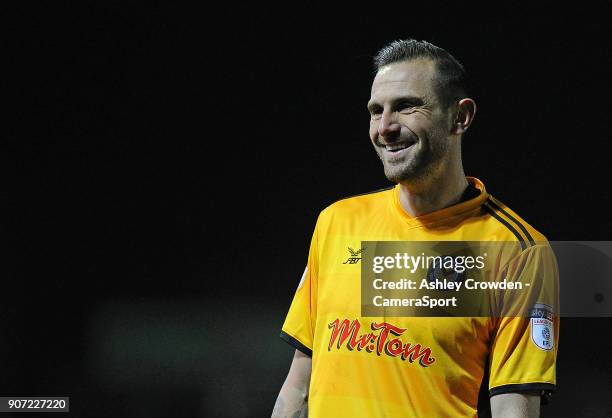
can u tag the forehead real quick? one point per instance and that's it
(414, 78)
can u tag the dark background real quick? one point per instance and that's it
(164, 167)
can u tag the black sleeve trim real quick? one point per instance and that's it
(543, 388)
(296, 344)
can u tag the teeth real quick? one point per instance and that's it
(396, 147)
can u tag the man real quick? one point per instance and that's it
(419, 111)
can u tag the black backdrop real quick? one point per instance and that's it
(164, 167)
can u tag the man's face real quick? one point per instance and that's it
(409, 127)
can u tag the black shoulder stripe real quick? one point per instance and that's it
(513, 219)
(296, 344)
(507, 225)
(384, 189)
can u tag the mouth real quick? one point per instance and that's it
(396, 148)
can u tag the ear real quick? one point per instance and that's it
(466, 110)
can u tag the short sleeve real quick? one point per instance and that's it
(298, 328)
(524, 349)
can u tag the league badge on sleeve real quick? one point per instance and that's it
(542, 331)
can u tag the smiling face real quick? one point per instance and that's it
(409, 127)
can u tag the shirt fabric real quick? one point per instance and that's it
(418, 366)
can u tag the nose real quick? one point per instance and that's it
(388, 127)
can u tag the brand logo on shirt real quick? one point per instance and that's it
(355, 256)
(382, 340)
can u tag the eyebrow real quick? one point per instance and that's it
(417, 101)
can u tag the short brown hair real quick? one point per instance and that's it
(452, 81)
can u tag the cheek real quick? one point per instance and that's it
(413, 121)
(419, 125)
(373, 129)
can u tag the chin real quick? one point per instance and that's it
(398, 174)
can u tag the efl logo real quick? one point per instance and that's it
(354, 258)
(542, 330)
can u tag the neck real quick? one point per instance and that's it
(432, 194)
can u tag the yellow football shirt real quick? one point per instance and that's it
(417, 366)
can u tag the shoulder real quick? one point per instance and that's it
(358, 206)
(514, 225)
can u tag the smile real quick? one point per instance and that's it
(397, 147)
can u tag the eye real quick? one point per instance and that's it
(375, 112)
(406, 106)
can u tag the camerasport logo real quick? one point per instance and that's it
(384, 339)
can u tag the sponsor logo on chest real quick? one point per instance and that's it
(383, 340)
